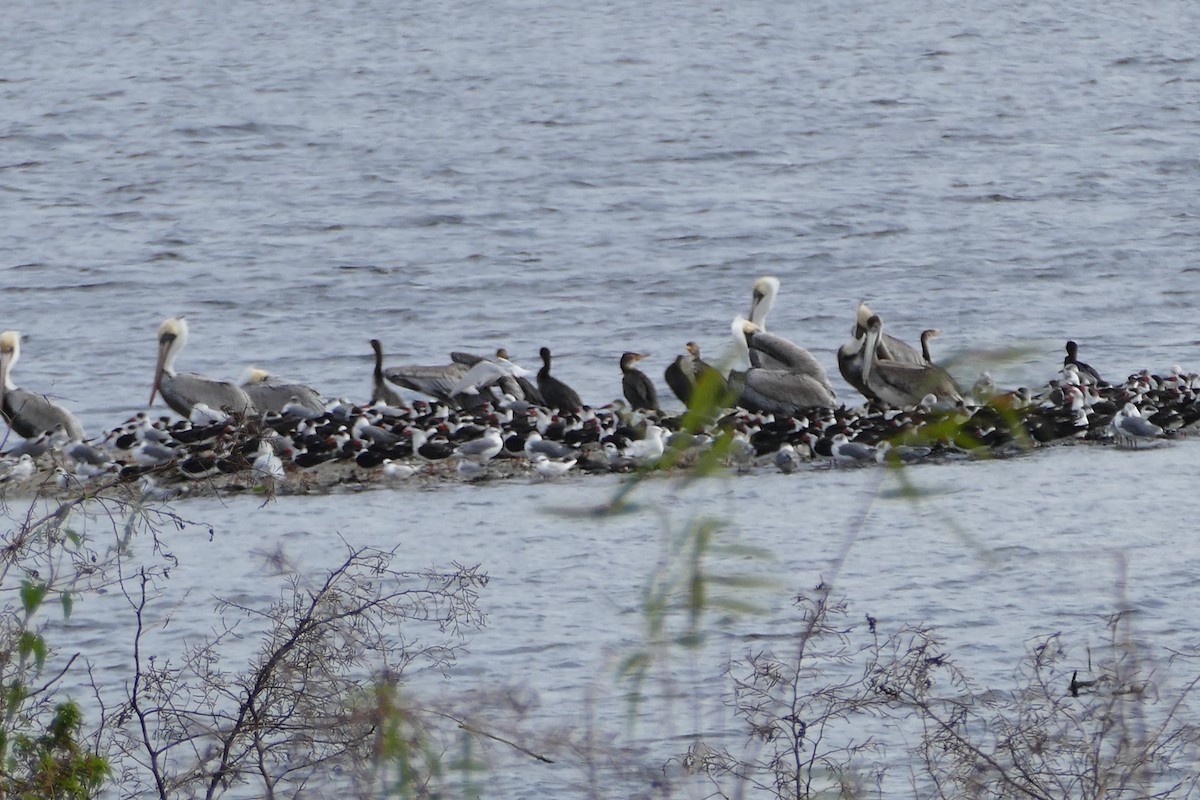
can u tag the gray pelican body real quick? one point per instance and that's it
(436, 381)
(270, 395)
(184, 390)
(775, 391)
(28, 413)
(785, 354)
(898, 384)
(850, 356)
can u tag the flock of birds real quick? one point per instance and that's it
(774, 404)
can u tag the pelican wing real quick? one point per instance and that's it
(31, 414)
(780, 392)
(274, 396)
(435, 381)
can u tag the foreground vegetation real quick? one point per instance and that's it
(845, 706)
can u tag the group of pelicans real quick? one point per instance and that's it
(773, 404)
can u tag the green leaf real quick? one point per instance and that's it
(68, 603)
(32, 595)
(31, 643)
(13, 697)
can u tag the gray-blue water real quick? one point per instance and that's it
(298, 178)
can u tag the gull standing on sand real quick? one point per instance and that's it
(1129, 427)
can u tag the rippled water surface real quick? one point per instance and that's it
(300, 177)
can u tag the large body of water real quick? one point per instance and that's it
(300, 178)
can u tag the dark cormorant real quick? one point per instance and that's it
(1085, 370)
(555, 393)
(380, 391)
(637, 386)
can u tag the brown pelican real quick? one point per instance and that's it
(28, 413)
(898, 384)
(889, 347)
(784, 354)
(636, 385)
(762, 299)
(850, 354)
(380, 391)
(689, 371)
(556, 393)
(182, 391)
(267, 394)
(435, 381)
(774, 391)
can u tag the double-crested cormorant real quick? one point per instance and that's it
(380, 391)
(555, 393)
(636, 385)
(1085, 370)
(689, 371)
(183, 390)
(28, 413)
(926, 335)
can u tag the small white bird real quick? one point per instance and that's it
(616, 461)
(62, 478)
(22, 469)
(470, 470)
(152, 491)
(787, 459)
(846, 452)
(268, 467)
(152, 454)
(1129, 427)
(397, 472)
(483, 449)
(650, 448)
(201, 414)
(550, 468)
(742, 452)
(887, 453)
